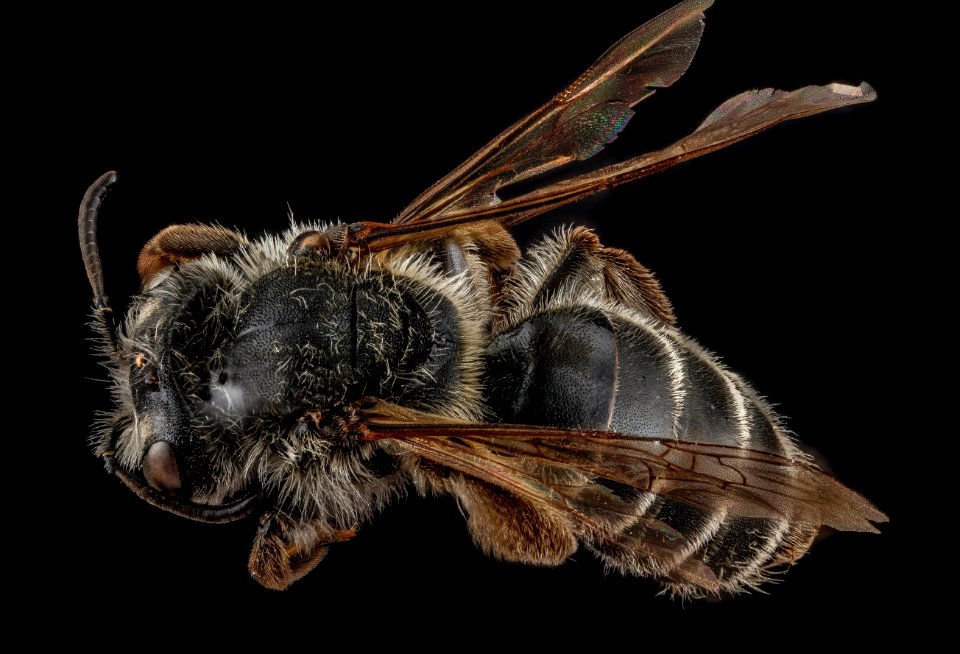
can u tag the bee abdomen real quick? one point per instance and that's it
(557, 368)
(584, 368)
(695, 551)
(669, 387)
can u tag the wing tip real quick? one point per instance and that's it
(854, 512)
(697, 5)
(863, 92)
(868, 520)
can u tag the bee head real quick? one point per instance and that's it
(156, 439)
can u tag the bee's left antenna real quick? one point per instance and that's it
(87, 223)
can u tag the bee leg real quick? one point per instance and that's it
(509, 528)
(284, 550)
(179, 243)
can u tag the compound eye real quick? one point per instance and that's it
(160, 468)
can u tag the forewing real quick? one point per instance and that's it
(568, 469)
(578, 122)
(736, 119)
(650, 504)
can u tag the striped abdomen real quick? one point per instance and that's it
(610, 369)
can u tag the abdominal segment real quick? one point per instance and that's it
(602, 368)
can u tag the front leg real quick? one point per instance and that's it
(285, 549)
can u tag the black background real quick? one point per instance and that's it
(770, 252)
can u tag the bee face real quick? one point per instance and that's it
(161, 430)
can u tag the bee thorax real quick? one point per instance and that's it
(318, 337)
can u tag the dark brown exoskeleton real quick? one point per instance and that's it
(310, 377)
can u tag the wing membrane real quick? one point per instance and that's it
(736, 119)
(578, 122)
(679, 511)
(571, 470)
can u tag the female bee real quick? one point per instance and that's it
(310, 377)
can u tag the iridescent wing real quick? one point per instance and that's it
(578, 122)
(736, 119)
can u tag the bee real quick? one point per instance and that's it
(310, 377)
